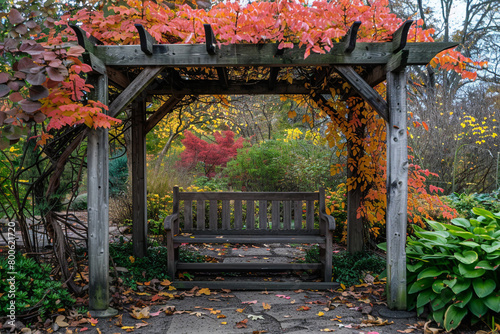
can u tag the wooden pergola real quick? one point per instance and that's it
(171, 70)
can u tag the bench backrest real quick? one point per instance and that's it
(250, 211)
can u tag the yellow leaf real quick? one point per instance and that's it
(266, 306)
(320, 314)
(223, 323)
(204, 291)
(131, 258)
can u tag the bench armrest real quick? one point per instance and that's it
(170, 221)
(328, 220)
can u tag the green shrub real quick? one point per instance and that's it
(277, 165)
(153, 265)
(79, 203)
(118, 175)
(35, 290)
(464, 203)
(453, 269)
(350, 269)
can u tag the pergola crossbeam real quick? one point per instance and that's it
(364, 90)
(134, 89)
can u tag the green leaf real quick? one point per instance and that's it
(461, 222)
(438, 316)
(482, 287)
(431, 272)
(414, 267)
(467, 257)
(450, 283)
(493, 301)
(477, 307)
(425, 297)
(436, 226)
(463, 235)
(421, 285)
(438, 286)
(470, 244)
(442, 299)
(463, 298)
(485, 265)
(460, 285)
(453, 317)
(484, 213)
(468, 271)
(383, 246)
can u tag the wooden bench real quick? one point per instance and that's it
(253, 218)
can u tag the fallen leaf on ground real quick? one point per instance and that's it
(221, 316)
(266, 306)
(255, 317)
(242, 324)
(250, 302)
(128, 328)
(168, 309)
(303, 308)
(155, 314)
(165, 282)
(410, 330)
(140, 313)
(283, 296)
(320, 314)
(430, 330)
(327, 330)
(204, 291)
(60, 321)
(376, 321)
(141, 324)
(118, 321)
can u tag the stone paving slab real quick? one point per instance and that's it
(251, 252)
(256, 260)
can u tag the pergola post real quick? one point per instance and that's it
(139, 194)
(98, 211)
(397, 190)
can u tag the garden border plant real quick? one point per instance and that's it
(453, 270)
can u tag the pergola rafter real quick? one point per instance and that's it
(173, 70)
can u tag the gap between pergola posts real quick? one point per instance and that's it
(166, 70)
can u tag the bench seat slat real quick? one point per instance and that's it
(250, 239)
(246, 266)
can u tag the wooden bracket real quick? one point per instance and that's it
(349, 40)
(210, 39)
(364, 90)
(273, 75)
(400, 36)
(88, 43)
(147, 40)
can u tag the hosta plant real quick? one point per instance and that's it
(453, 269)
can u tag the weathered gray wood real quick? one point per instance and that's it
(258, 286)
(297, 214)
(252, 87)
(134, 89)
(397, 190)
(188, 215)
(210, 41)
(349, 39)
(250, 214)
(195, 55)
(262, 215)
(275, 215)
(310, 215)
(200, 215)
(97, 207)
(165, 109)
(212, 211)
(364, 90)
(400, 36)
(238, 215)
(147, 41)
(139, 193)
(226, 215)
(117, 78)
(256, 196)
(97, 65)
(223, 77)
(287, 215)
(248, 266)
(250, 238)
(88, 43)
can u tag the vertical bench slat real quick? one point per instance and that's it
(238, 215)
(226, 215)
(250, 215)
(287, 214)
(262, 215)
(213, 215)
(275, 215)
(297, 214)
(310, 215)
(200, 213)
(188, 215)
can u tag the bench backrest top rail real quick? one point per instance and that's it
(255, 196)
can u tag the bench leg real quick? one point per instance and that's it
(171, 258)
(327, 257)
